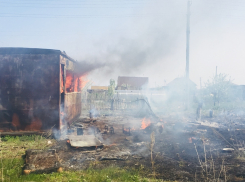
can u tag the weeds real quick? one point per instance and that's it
(151, 147)
(209, 174)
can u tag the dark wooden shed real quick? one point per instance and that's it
(39, 90)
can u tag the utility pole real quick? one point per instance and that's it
(187, 53)
(200, 82)
(188, 37)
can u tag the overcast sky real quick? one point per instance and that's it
(133, 37)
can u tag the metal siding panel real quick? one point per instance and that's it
(29, 92)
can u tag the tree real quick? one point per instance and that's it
(111, 91)
(111, 88)
(218, 87)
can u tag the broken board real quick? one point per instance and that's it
(84, 141)
(41, 161)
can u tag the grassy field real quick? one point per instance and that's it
(12, 160)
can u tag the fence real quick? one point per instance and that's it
(122, 100)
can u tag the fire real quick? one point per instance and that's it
(145, 122)
(82, 80)
(61, 81)
(75, 83)
(80, 83)
(69, 81)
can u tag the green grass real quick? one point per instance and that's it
(13, 149)
(109, 174)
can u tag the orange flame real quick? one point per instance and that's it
(69, 81)
(145, 122)
(82, 81)
(61, 81)
(75, 83)
(76, 89)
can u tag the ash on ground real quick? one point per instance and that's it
(183, 148)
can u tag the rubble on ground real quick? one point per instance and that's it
(181, 145)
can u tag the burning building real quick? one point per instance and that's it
(39, 89)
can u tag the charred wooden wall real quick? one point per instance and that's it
(29, 91)
(73, 106)
(72, 97)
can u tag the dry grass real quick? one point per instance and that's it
(210, 173)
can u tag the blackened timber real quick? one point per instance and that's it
(30, 90)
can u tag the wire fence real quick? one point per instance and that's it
(101, 101)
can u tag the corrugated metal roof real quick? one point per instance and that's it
(136, 82)
(181, 81)
(24, 50)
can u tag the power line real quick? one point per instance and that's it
(82, 16)
(150, 15)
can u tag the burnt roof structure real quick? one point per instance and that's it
(181, 81)
(131, 83)
(179, 88)
(23, 50)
